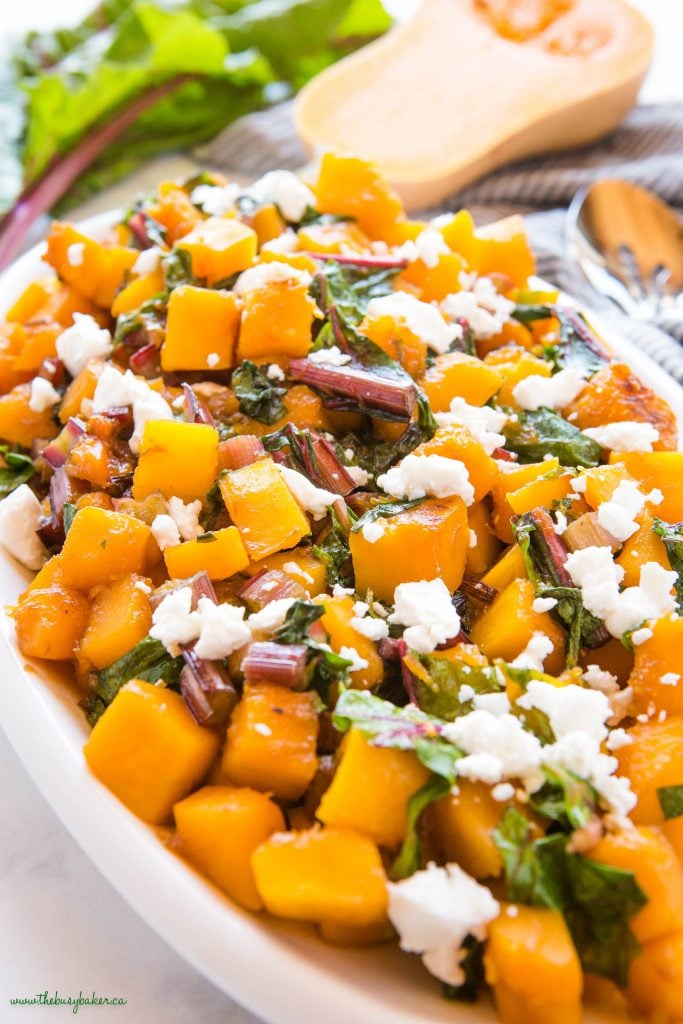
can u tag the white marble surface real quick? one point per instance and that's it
(63, 926)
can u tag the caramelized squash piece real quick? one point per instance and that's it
(657, 676)
(19, 424)
(460, 827)
(650, 762)
(201, 330)
(219, 247)
(220, 554)
(263, 508)
(644, 546)
(50, 621)
(655, 982)
(337, 621)
(276, 321)
(353, 187)
(101, 546)
(507, 625)
(95, 270)
(120, 616)
(455, 442)
(481, 555)
(178, 459)
(458, 375)
(662, 471)
(398, 341)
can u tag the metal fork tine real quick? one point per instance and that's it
(631, 272)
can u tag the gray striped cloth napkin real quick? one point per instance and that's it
(646, 149)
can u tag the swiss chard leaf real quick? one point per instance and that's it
(298, 621)
(18, 469)
(533, 435)
(349, 288)
(534, 868)
(671, 801)
(334, 552)
(438, 691)
(407, 861)
(258, 396)
(566, 799)
(148, 323)
(472, 966)
(672, 535)
(577, 346)
(384, 510)
(528, 313)
(148, 660)
(324, 666)
(68, 513)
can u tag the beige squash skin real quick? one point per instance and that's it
(444, 99)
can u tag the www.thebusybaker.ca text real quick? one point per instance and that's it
(75, 1002)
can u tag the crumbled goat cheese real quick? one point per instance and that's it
(598, 576)
(143, 587)
(543, 604)
(502, 792)
(482, 422)
(286, 190)
(617, 515)
(148, 261)
(466, 693)
(580, 483)
(216, 200)
(639, 636)
(262, 729)
(339, 591)
(84, 340)
(534, 654)
(186, 517)
(669, 679)
(312, 499)
(417, 476)
(271, 616)
(373, 629)
(359, 476)
(173, 621)
(424, 320)
(288, 241)
(352, 655)
(373, 530)
(332, 356)
(213, 359)
(474, 540)
(75, 253)
(20, 518)
(222, 629)
(43, 395)
(624, 436)
(599, 679)
(264, 274)
(617, 739)
(427, 611)
(578, 752)
(496, 703)
(275, 372)
(561, 523)
(480, 304)
(165, 532)
(536, 392)
(434, 911)
(428, 246)
(295, 570)
(497, 747)
(115, 388)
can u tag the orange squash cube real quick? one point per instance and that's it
(276, 321)
(507, 625)
(174, 211)
(513, 365)
(81, 387)
(642, 547)
(201, 330)
(219, 247)
(138, 291)
(657, 659)
(540, 493)
(40, 343)
(266, 221)
(506, 570)
(458, 375)
(178, 459)
(460, 827)
(655, 982)
(350, 186)
(329, 874)
(148, 750)
(50, 621)
(433, 283)
(218, 829)
(513, 480)
(263, 508)
(271, 741)
(120, 617)
(455, 442)
(220, 554)
(660, 470)
(504, 249)
(19, 424)
(398, 341)
(337, 621)
(370, 790)
(482, 556)
(333, 238)
(95, 270)
(101, 546)
(650, 762)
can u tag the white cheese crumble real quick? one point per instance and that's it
(312, 499)
(497, 747)
(599, 679)
(417, 476)
(288, 241)
(275, 372)
(670, 678)
(75, 253)
(213, 359)
(639, 636)
(568, 708)
(359, 476)
(295, 570)
(534, 654)
(427, 611)
(352, 655)
(265, 274)
(617, 739)
(271, 616)
(474, 540)
(286, 190)
(496, 703)
(332, 356)
(84, 340)
(536, 392)
(424, 320)
(115, 388)
(218, 629)
(143, 587)
(173, 621)
(561, 523)
(434, 911)
(624, 436)
(216, 200)
(373, 629)
(502, 792)
(148, 261)
(373, 530)
(43, 395)
(20, 518)
(165, 532)
(186, 517)
(427, 247)
(617, 515)
(480, 304)
(483, 422)
(543, 604)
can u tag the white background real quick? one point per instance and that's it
(63, 927)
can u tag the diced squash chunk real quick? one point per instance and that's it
(219, 828)
(201, 331)
(481, 555)
(219, 247)
(650, 762)
(433, 283)
(455, 442)
(271, 742)
(657, 675)
(507, 625)
(533, 967)
(515, 364)
(138, 291)
(174, 211)
(662, 471)
(177, 459)
(338, 237)
(263, 508)
(398, 341)
(97, 271)
(655, 982)
(276, 321)
(511, 481)
(301, 564)
(500, 248)
(658, 872)
(81, 387)
(602, 482)
(220, 554)
(461, 826)
(337, 621)
(370, 790)
(101, 546)
(355, 187)
(437, 529)
(458, 375)
(148, 750)
(266, 221)
(507, 569)
(540, 493)
(120, 616)
(40, 343)
(327, 874)
(19, 424)
(644, 546)
(50, 622)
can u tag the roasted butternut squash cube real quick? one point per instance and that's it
(540, 493)
(657, 676)
(120, 616)
(481, 555)
(458, 375)
(658, 872)
(337, 621)
(220, 554)
(533, 967)
(149, 751)
(398, 341)
(19, 424)
(514, 364)
(101, 546)
(271, 742)
(659, 470)
(263, 508)
(370, 790)
(201, 330)
(140, 290)
(503, 248)
(300, 564)
(81, 387)
(50, 621)
(455, 442)
(511, 481)
(218, 828)
(650, 762)
(95, 270)
(509, 567)
(355, 187)
(460, 827)
(266, 221)
(507, 625)
(433, 283)
(329, 874)
(655, 982)
(276, 321)
(340, 237)
(174, 211)
(642, 547)
(178, 459)
(40, 342)
(219, 247)
(437, 529)
(602, 482)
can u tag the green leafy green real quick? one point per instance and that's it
(324, 666)
(18, 469)
(384, 510)
(472, 966)
(671, 801)
(566, 799)
(407, 860)
(148, 660)
(68, 513)
(149, 321)
(439, 694)
(577, 346)
(672, 535)
(298, 621)
(533, 867)
(533, 435)
(258, 396)
(350, 288)
(527, 313)
(334, 552)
